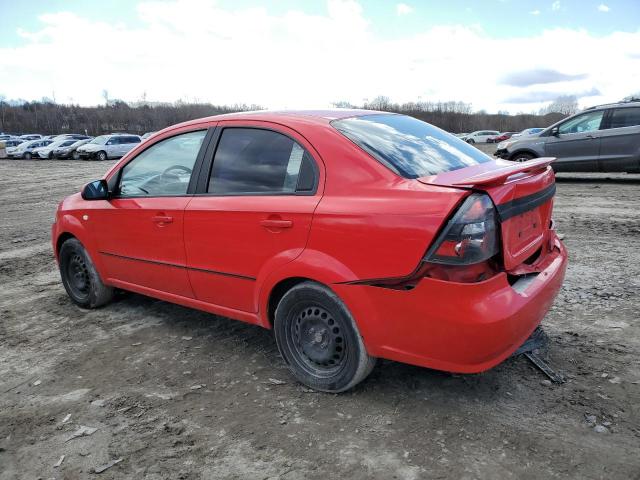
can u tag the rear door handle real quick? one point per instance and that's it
(276, 223)
(162, 219)
(591, 136)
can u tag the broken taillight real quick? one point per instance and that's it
(470, 237)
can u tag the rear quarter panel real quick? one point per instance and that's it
(372, 222)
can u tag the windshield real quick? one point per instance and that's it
(408, 146)
(101, 140)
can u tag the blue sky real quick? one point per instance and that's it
(427, 45)
(502, 18)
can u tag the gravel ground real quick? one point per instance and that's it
(177, 393)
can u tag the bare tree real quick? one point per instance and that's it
(564, 104)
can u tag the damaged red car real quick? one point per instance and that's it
(354, 235)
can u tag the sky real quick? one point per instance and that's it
(498, 55)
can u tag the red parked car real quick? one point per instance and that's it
(354, 234)
(500, 138)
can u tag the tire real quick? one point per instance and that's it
(471, 141)
(27, 156)
(80, 277)
(319, 340)
(522, 157)
(51, 156)
(101, 155)
(75, 155)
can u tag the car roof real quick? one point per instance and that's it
(289, 116)
(625, 104)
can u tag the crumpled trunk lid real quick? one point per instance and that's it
(523, 195)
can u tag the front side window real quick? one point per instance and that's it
(408, 146)
(162, 169)
(250, 161)
(625, 117)
(587, 122)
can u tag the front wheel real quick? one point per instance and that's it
(522, 157)
(75, 155)
(27, 156)
(101, 156)
(80, 277)
(319, 340)
(471, 141)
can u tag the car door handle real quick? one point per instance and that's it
(162, 219)
(590, 136)
(276, 223)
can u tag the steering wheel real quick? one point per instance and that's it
(168, 172)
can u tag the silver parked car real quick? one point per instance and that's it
(527, 131)
(31, 136)
(70, 151)
(108, 146)
(605, 138)
(26, 149)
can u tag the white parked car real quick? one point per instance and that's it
(108, 146)
(480, 136)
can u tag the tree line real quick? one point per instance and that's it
(47, 117)
(51, 118)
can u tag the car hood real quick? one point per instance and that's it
(88, 147)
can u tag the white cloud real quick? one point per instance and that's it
(603, 8)
(196, 49)
(555, 6)
(403, 9)
(534, 12)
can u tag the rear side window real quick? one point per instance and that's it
(408, 146)
(625, 117)
(250, 161)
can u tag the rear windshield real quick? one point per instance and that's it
(407, 146)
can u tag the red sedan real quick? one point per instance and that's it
(354, 234)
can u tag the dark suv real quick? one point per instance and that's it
(605, 138)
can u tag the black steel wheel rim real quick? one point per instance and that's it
(318, 341)
(78, 277)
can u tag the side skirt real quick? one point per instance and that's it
(188, 302)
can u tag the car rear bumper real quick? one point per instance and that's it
(456, 327)
(502, 154)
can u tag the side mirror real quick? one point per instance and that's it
(555, 131)
(96, 190)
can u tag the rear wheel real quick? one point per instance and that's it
(522, 157)
(101, 155)
(80, 277)
(319, 340)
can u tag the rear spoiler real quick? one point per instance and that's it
(501, 174)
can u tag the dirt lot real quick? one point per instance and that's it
(177, 393)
